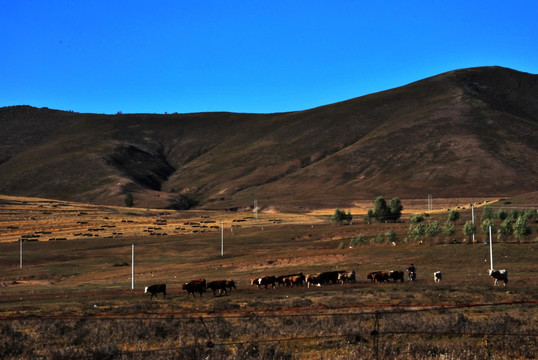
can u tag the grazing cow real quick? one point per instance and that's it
(219, 285)
(437, 276)
(294, 280)
(378, 276)
(155, 289)
(396, 275)
(290, 279)
(194, 286)
(318, 279)
(347, 276)
(313, 279)
(499, 275)
(264, 281)
(230, 284)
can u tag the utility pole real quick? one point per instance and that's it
(132, 266)
(490, 249)
(256, 208)
(222, 238)
(20, 240)
(472, 212)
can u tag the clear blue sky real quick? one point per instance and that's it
(246, 56)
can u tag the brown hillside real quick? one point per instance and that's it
(470, 132)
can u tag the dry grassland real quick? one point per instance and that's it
(74, 290)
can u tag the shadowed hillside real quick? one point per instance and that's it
(470, 132)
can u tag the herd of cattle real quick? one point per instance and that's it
(299, 279)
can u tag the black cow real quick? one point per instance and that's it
(264, 281)
(219, 285)
(396, 275)
(193, 286)
(155, 289)
(499, 275)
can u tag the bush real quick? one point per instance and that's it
(356, 240)
(391, 236)
(453, 215)
(433, 228)
(448, 228)
(501, 214)
(417, 231)
(182, 202)
(417, 218)
(341, 216)
(129, 202)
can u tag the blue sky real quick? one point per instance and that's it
(246, 56)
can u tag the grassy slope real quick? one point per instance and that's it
(442, 135)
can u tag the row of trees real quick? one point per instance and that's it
(514, 223)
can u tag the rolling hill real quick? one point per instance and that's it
(469, 132)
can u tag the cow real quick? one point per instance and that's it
(396, 275)
(290, 279)
(437, 276)
(230, 284)
(264, 281)
(318, 279)
(195, 286)
(294, 280)
(219, 285)
(378, 276)
(155, 289)
(347, 276)
(499, 275)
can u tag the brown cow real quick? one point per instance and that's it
(230, 284)
(198, 285)
(378, 276)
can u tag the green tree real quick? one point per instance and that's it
(129, 201)
(395, 208)
(433, 228)
(501, 214)
(487, 213)
(417, 231)
(448, 228)
(381, 210)
(485, 226)
(453, 215)
(415, 219)
(183, 202)
(469, 229)
(505, 230)
(356, 240)
(340, 216)
(521, 228)
(391, 236)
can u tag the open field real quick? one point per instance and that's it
(74, 290)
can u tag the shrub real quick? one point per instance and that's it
(433, 228)
(486, 225)
(469, 229)
(487, 213)
(501, 214)
(129, 200)
(417, 218)
(417, 231)
(356, 240)
(449, 228)
(341, 216)
(453, 215)
(391, 236)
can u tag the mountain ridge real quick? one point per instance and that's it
(451, 135)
